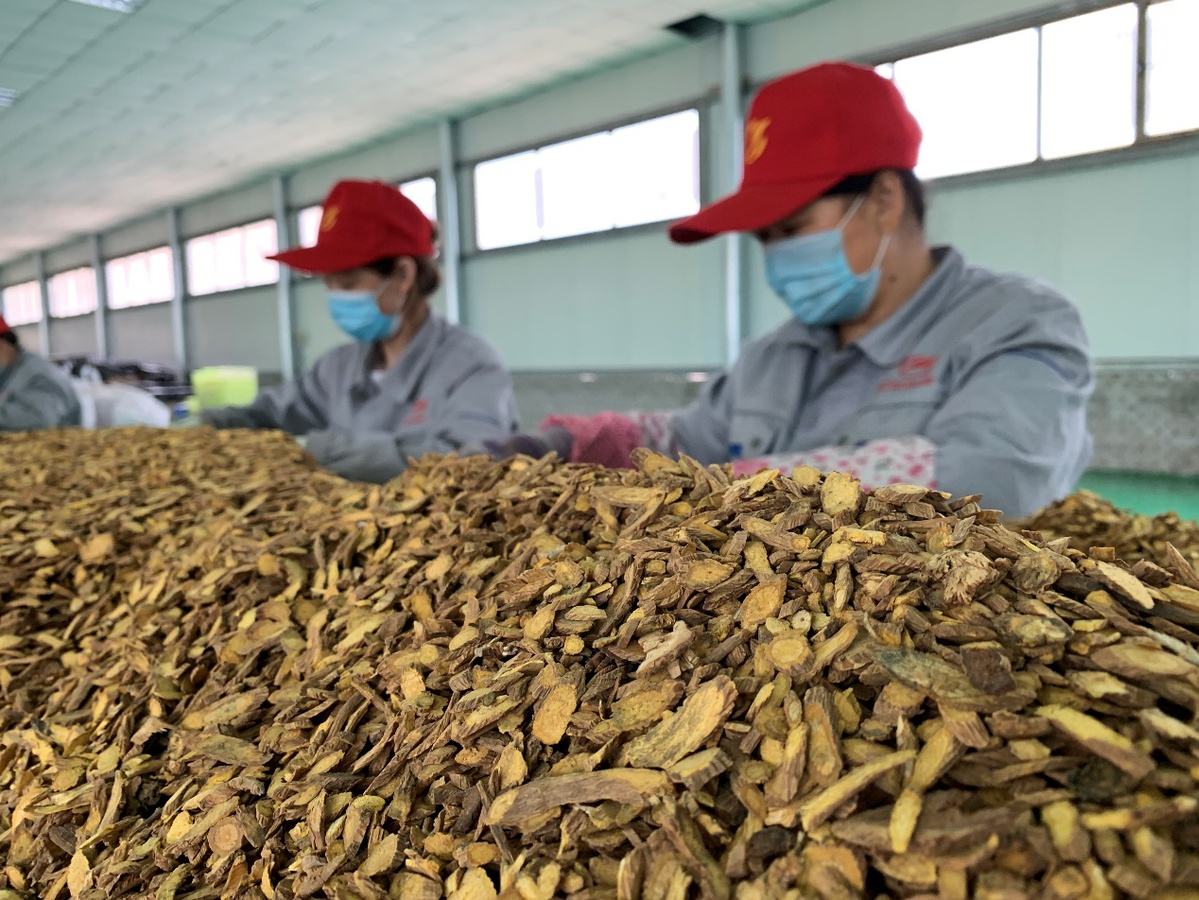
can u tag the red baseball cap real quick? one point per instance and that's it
(363, 221)
(4, 329)
(807, 132)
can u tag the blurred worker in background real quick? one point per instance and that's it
(900, 362)
(34, 394)
(411, 383)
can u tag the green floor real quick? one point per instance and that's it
(1147, 493)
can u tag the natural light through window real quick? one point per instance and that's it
(507, 201)
(572, 202)
(658, 180)
(23, 303)
(233, 259)
(141, 279)
(1089, 82)
(1172, 88)
(977, 104)
(980, 107)
(73, 293)
(638, 174)
(422, 192)
(309, 223)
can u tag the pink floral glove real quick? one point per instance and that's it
(908, 460)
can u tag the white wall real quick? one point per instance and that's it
(396, 159)
(621, 301)
(142, 333)
(315, 332)
(30, 338)
(1120, 240)
(638, 89)
(75, 336)
(240, 328)
(247, 204)
(18, 272)
(134, 237)
(1117, 237)
(69, 256)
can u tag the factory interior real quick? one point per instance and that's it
(599, 449)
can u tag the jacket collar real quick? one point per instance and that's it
(406, 373)
(890, 342)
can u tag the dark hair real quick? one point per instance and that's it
(428, 275)
(913, 190)
(11, 338)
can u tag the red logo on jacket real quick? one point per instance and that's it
(914, 372)
(418, 414)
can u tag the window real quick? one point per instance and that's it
(977, 104)
(309, 221)
(23, 303)
(1172, 102)
(73, 293)
(1089, 82)
(233, 259)
(647, 172)
(507, 194)
(1063, 89)
(140, 279)
(422, 192)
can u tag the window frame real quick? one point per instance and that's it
(42, 316)
(145, 252)
(700, 105)
(185, 243)
(75, 271)
(1144, 146)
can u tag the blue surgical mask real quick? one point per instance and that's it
(812, 276)
(357, 313)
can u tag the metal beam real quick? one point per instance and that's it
(451, 220)
(731, 135)
(285, 300)
(1142, 65)
(43, 325)
(178, 319)
(101, 314)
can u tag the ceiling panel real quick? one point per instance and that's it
(121, 115)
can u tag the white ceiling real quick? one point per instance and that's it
(121, 115)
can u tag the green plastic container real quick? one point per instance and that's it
(216, 386)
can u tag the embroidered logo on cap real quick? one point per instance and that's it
(329, 219)
(756, 139)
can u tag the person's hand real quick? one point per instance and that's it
(553, 440)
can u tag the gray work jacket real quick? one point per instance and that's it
(36, 394)
(448, 390)
(993, 369)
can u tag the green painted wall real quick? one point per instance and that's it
(1146, 493)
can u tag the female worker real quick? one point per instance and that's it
(411, 383)
(34, 394)
(900, 362)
